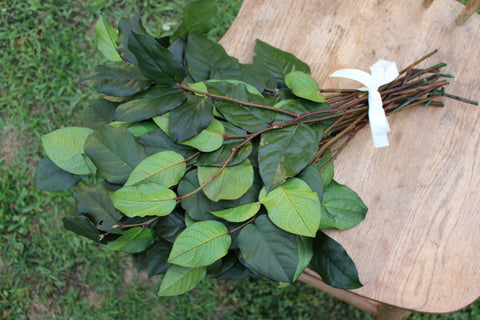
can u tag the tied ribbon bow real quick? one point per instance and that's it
(383, 72)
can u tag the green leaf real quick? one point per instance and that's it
(188, 120)
(305, 254)
(218, 157)
(201, 244)
(197, 18)
(326, 169)
(304, 86)
(115, 153)
(314, 180)
(154, 102)
(165, 168)
(170, 226)
(148, 199)
(342, 208)
(240, 213)
(106, 37)
(179, 280)
(277, 62)
(285, 152)
(209, 139)
(83, 226)
(131, 23)
(230, 184)
(141, 128)
(154, 259)
(98, 113)
(122, 81)
(332, 263)
(156, 62)
(65, 147)
(94, 202)
(268, 250)
(157, 141)
(198, 205)
(49, 177)
(205, 57)
(133, 240)
(293, 207)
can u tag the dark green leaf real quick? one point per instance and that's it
(247, 118)
(170, 226)
(83, 226)
(94, 202)
(217, 158)
(98, 113)
(197, 18)
(268, 250)
(158, 141)
(180, 279)
(314, 180)
(222, 265)
(285, 152)
(197, 206)
(342, 208)
(115, 153)
(304, 86)
(332, 263)
(154, 259)
(326, 169)
(248, 73)
(188, 120)
(122, 81)
(131, 23)
(51, 178)
(205, 57)
(156, 62)
(237, 272)
(156, 101)
(277, 62)
(133, 240)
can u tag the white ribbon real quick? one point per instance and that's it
(383, 72)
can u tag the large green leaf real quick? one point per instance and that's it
(140, 128)
(122, 81)
(154, 259)
(304, 86)
(305, 254)
(98, 113)
(230, 184)
(205, 57)
(285, 152)
(209, 139)
(149, 199)
(130, 23)
(65, 147)
(201, 244)
(326, 169)
(83, 226)
(106, 39)
(293, 207)
(197, 18)
(49, 177)
(156, 101)
(342, 208)
(115, 153)
(238, 214)
(133, 240)
(94, 202)
(198, 205)
(180, 279)
(157, 141)
(165, 168)
(218, 157)
(188, 120)
(332, 263)
(277, 62)
(268, 250)
(156, 62)
(314, 180)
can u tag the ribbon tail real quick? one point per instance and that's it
(378, 121)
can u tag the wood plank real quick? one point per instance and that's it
(418, 247)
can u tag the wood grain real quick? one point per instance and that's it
(418, 247)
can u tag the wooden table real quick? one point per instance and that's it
(418, 247)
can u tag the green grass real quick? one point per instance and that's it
(49, 273)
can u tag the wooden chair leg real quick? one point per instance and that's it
(467, 12)
(387, 312)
